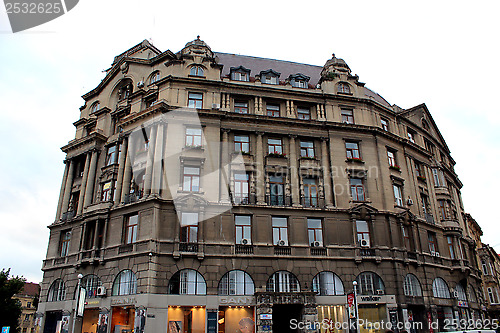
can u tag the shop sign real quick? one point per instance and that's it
(5, 329)
(236, 300)
(266, 316)
(370, 298)
(350, 306)
(94, 302)
(125, 300)
(393, 315)
(444, 302)
(463, 304)
(266, 328)
(429, 321)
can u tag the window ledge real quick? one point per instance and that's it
(198, 76)
(357, 160)
(190, 192)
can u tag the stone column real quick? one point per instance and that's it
(157, 161)
(89, 188)
(121, 168)
(149, 163)
(61, 192)
(294, 172)
(327, 179)
(259, 157)
(69, 185)
(79, 209)
(224, 168)
(127, 178)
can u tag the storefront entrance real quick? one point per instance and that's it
(236, 319)
(122, 319)
(51, 320)
(283, 314)
(184, 319)
(90, 320)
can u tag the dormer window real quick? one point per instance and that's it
(197, 71)
(95, 107)
(154, 77)
(343, 88)
(299, 80)
(240, 74)
(269, 77)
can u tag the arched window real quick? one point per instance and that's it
(91, 282)
(125, 89)
(95, 107)
(327, 283)
(370, 283)
(236, 282)
(472, 294)
(154, 77)
(187, 282)
(462, 296)
(412, 286)
(283, 281)
(440, 288)
(343, 88)
(197, 71)
(125, 283)
(57, 291)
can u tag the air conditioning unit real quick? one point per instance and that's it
(409, 202)
(215, 106)
(380, 292)
(245, 241)
(101, 291)
(455, 294)
(435, 254)
(315, 244)
(140, 84)
(281, 242)
(364, 243)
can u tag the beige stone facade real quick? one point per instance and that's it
(203, 188)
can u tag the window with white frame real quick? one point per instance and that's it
(241, 106)
(327, 284)
(243, 226)
(131, 228)
(451, 246)
(242, 143)
(241, 187)
(347, 116)
(65, 242)
(154, 77)
(303, 113)
(307, 149)
(357, 189)
(191, 179)
(197, 71)
(236, 282)
(440, 288)
(311, 195)
(398, 194)
(462, 296)
(95, 107)
(90, 283)
(187, 282)
(107, 191)
(273, 110)
(363, 232)
(57, 291)
(343, 88)
(195, 100)
(193, 137)
(125, 283)
(111, 155)
(412, 286)
(370, 283)
(280, 230)
(384, 123)
(438, 175)
(283, 282)
(315, 232)
(189, 227)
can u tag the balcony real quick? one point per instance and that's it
(278, 200)
(411, 255)
(367, 252)
(318, 251)
(243, 199)
(312, 202)
(188, 247)
(282, 250)
(67, 216)
(243, 249)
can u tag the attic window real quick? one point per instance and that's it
(299, 80)
(197, 71)
(154, 77)
(95, 107)
(269, 77)
(240, 74)
(343, 88)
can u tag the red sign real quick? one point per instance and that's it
(429, 319)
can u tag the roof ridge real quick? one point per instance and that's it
(254, 57)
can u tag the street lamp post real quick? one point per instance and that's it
(80, 276)
(355, 284)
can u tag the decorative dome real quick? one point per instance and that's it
(197, 47)
(334, 65)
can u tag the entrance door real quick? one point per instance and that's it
(282, 316)
(51, 319)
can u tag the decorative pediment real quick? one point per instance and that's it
(406, 217)
(363, 210)
(191, 202)
(270, 72)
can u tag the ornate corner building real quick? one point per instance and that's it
(214, 192)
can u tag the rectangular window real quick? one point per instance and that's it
(310, 192)
(425, 203)
(391, 156)
(241, 188)
(107, 191)
(347, 116)
(411, 135)
(132, 223)
(443, 209)
(273, 110)
(357, 189)
(111, 155)
(195, 100)
(363, 233)
(241, 106)
(191, 179)
(485, 267)
(385, 124)
(398, 194)
(451, 246)
(270, 79)
(303, 113)
(419, 171)
(280, 230)
(276, 190)
(315, 232)
(242, 143)
(429, 146)
(193, 137)
(189, 227)
(65, 241)
(240, 76)
(275, 146)
(307, 149)
(406, 237)
(243, 225)
(352, 150)
(299, 83)
(438, 175)
(431, 236)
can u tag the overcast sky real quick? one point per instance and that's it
(442, 53)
